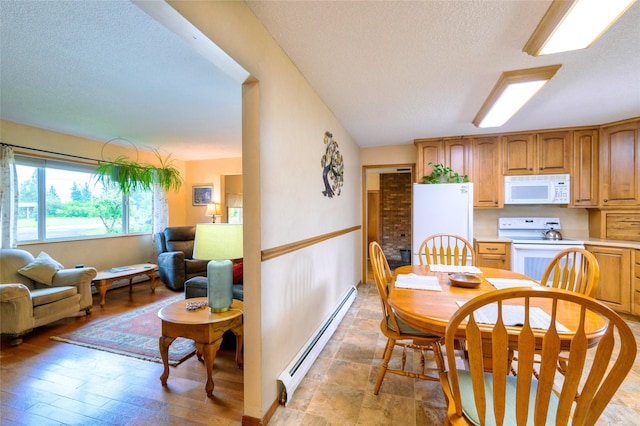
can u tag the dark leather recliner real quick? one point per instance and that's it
(175, 256)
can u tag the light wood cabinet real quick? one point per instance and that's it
(584, 182)
(614, 287)
(539, 153)
(452, 152)
(457, 155)
(493, 255)
(429, 151)
(636, 285)
(487, 178)
(615, 224)
(620, 165)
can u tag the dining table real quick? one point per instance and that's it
(430, 310)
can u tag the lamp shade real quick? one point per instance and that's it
(213, 209)
(218, 241)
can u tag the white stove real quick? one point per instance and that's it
(530, 251)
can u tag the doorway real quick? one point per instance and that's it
(387, 212)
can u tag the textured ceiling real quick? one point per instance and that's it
(390, 71)
(106, 69)
(393, 71)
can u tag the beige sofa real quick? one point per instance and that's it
(50, 294)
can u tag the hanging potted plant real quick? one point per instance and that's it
(129, 176)
(443, 174)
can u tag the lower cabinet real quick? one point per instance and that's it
(636, 285)
(614, 288)
(493, 255)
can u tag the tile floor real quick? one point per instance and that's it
(338, 390)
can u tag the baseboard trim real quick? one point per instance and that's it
(254, 421)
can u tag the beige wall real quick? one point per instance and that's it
(287, 297)
(102, 252)
(387, 155)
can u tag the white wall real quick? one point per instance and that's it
(296, 290)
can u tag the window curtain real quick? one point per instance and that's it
(160, 218)
(8, 198)
(234, 200)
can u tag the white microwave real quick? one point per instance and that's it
(537, 189)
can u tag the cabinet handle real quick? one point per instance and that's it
(530, 169)
(492, 248)
(605, 200)
(495, 202)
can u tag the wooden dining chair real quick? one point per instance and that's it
(446, 249)
(397, 332)
(573, 269)
(478, 396)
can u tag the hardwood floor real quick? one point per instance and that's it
(44, 382)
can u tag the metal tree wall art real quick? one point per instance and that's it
(332, 167)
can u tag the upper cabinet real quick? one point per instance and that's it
(488, 188)
(452, 152)
(537, 153)
(620, 164)
(429, 151)
(584, 182)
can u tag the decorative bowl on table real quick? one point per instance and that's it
(465, 280)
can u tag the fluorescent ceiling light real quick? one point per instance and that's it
(511, 92)
(574, 24)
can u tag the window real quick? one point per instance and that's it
(234, 215)
(58, 200)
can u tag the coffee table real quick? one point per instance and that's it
(104, 279)
(205, 328)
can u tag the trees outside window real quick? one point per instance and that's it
(59, 200)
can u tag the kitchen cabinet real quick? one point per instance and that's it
(615, 224)
(584, 181)
(614, 287)
(487, 178)
(537, 153)
(620, 165)
(493, 255)
(636, 285)
(452, 152)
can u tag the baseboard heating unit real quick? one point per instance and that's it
(302, 362)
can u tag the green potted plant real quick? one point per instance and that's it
(443, 174)
(128, 176)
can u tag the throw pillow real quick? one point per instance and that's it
(237, 273)
(41, 269)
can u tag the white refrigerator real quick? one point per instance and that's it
(440, 208)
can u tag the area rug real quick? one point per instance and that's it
(135, 334)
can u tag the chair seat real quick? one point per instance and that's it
(407, 329)
(469, 405)
(197, 287)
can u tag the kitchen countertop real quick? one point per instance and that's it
(587, 240)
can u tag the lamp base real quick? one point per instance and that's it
(219, 285)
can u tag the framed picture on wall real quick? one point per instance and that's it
(202, 195)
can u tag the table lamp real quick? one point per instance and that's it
(213, 209)
(218, 243)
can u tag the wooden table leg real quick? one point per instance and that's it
(153, 281)
(102, 287)
(164, 343)
(238, 331)
(209, 351)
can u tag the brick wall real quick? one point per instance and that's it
(395, 214)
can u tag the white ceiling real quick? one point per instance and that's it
(391, 71)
